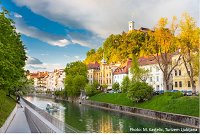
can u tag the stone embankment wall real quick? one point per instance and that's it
(169, 117)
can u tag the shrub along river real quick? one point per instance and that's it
(90, 119)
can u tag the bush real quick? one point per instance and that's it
(59, 93)
(91, 89)
(140, 91)
(125, 84)
(115, 86)
(174, 95)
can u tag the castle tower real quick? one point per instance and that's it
(131, 25)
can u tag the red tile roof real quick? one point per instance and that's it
(123, 69)
(94, 65)
(149, 60)
(38, 75)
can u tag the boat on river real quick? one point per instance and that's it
(52, 107)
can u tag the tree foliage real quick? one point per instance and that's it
(161, 44)
(117, 48)
(140, 91)
(138, 73)
(189, 44)
(125, 84)
(76, 78)
(115, 86)
(12, 55)
(92, 89)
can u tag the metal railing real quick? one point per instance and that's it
(57, 123)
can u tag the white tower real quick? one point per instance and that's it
(131, 25)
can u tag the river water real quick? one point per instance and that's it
(90, 119)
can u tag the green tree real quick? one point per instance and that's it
(76, 78)
(125, 84)
(104, 86)
(140, 91)
(90, 52)
(138, 73)
(92, 89)
(12, 55)
(115, 86)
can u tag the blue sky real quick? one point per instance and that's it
(56, 32)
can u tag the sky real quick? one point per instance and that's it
(57, 32)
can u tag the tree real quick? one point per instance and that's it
(189, 44)
(104, 86)
(12, 55)
(161, 44)
(90, 52)
(115, 86)
(138, 73)
(92, 89)
(76, 78)
(140, 91)
(125, 84)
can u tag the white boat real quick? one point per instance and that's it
(52, 107)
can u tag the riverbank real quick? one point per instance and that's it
(184, 120)
(165, 103)
(7, 104)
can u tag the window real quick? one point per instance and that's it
(157, 78)
(151, 79)
(175, 72)
(150, 69)
(180, 84)
(189, 84)
(176, 84)
(179, 72)
(189, 73)
(157, 69)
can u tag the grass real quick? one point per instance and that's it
(7, 104)
(164, 103)
(113, 98)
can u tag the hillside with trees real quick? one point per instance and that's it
(117, 48)
(161, 43)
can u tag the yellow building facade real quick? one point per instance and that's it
(102, 73)
(181, 80)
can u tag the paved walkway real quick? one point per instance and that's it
(19, 123)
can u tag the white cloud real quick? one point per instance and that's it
(103, 17)
(16, 15)
(43, 67)
(34, 32)
(61, 42)
(73, 58)
(33, 61)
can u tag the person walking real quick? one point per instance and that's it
(18, 100)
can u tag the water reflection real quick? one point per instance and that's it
(90, 119)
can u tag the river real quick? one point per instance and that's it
(90, 119)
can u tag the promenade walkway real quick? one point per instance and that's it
(19, 123)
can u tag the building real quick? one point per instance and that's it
(131, 25)
(93, 72)
(155, 76)
(48, 80)
(51, 81)
(39, 79)
(181, 80)
(102, 73)
(60, 79)
(121, 72)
